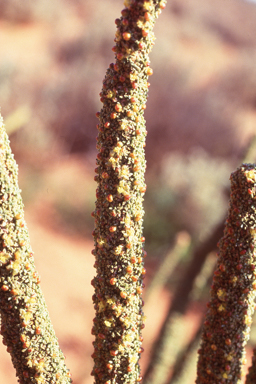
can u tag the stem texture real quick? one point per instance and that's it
(119, 212)
(25, 324)
(229, 316)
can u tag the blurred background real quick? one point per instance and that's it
(201, 118)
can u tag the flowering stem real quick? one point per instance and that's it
(228, 320)
(25, 324)
(119, 212)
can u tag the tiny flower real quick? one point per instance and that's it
(126, 36)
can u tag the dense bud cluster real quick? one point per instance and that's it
(229, 316)
(25, 325)
(119, 212)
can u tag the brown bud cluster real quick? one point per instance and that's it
(25, 324)
(119, 212)
(230, 310)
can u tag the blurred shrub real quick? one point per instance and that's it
(187, 194)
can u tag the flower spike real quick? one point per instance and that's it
(25, 324)
(119, 212)
(230, 310)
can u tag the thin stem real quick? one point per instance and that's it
(181, 248)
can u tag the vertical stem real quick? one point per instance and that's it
(25, 324)
(181, 248)
(185, 366)
(228, 320)
(119, 212)
(172, 334)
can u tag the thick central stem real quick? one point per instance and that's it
(119, 211)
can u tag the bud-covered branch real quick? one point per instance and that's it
(119, 212)
(229, 316)
(25, 324)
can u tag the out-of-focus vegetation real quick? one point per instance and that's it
(201, 110)
(201, 113)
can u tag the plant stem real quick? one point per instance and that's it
(172, 335)
(180, 249)
(228, 320)
(119, 212)
(185, 366)
(25, 324)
